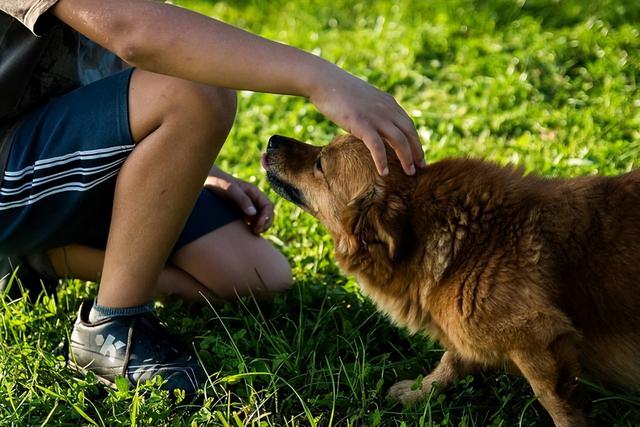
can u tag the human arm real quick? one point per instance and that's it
(169, 40)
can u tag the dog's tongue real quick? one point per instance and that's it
(263, 160)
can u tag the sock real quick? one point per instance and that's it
(99, 312)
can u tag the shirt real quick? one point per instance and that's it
(40, 58)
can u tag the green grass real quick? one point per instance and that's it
(551, 85)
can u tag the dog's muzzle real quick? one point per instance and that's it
(283, 188)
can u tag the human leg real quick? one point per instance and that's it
(179, 128)
(232, 261)
(59, 189)
(216, 253)
(85, 263)
(227, 262)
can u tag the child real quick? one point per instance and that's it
(103, 165)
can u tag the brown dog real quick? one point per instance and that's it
(539, 275)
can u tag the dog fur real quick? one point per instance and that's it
(538, 275)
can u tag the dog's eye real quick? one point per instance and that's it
(318, 164)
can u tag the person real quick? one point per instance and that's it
(111, 117)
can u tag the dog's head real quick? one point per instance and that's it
(339, 185)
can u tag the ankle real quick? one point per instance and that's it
(99, 312)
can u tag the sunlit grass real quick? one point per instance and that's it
(551, 85)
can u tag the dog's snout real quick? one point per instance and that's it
(275, 141)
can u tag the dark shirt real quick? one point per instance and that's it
(41, 58)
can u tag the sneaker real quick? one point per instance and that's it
(33, 273)
(136, 347)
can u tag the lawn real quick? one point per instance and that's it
(551, 85)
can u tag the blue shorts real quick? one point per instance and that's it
(59, 182)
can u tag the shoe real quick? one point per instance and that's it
(136, 347)
(30, 274)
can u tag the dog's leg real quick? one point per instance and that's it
(552, 373)
(450, 369)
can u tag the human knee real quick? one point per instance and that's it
(221, 105)
(156, 100)
(232, 261)
(275, 274)
(270, 275)
(211, 109)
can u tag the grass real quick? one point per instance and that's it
(551, 85)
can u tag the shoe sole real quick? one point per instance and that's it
(83, 371)
(189, 397)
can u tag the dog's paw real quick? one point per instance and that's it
(407, 392)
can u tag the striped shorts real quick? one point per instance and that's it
(59, 182)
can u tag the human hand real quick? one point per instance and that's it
(253, 202)
(371, 116)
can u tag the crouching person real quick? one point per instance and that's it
(109, 128)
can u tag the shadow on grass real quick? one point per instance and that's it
(322, 352)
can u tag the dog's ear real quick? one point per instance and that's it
(377, 221)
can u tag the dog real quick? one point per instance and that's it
(506, 270)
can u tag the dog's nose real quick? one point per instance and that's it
(275, 141)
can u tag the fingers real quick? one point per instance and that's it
(405, 143)
(409, 130)
(264, 219)
(401, 146)
(375, 145)
(405, 125)
(253, 202)
(400, 133)
(237, 195)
